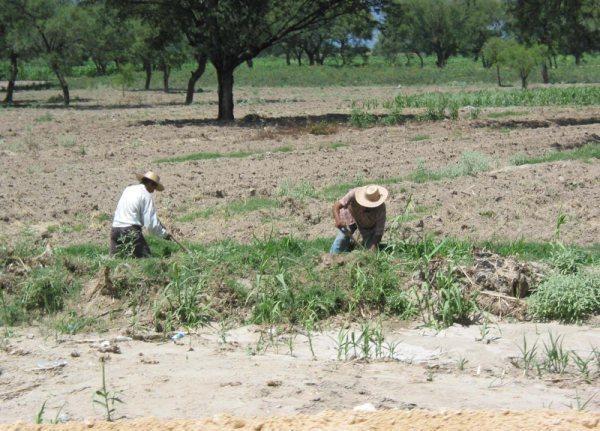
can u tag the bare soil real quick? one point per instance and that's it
(62, 171)
(65, 168)
(202, 375)
(350, 420)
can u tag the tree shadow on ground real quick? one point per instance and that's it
(536, 124)
(253, 121)
(42, 104)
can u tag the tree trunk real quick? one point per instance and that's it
(10, 89)
(196, 74)
(287, 58)
(498, 75)
(148, 69)
(166, 74)
(523, 81)
(578, 58)
(441, 59)
(225, 81)
(299, 58)
(311, 58)
(545, 76)
(420, 59)
(63, 84)
(250, 63)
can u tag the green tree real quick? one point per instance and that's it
(523, 59)
(440, 27)
(568, 26)
(126, 76)
(108, 36)
(231, 32)
(493, 52)
(58, 32)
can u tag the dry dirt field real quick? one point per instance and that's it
(66, 168)
(61, 174)
(205, 374)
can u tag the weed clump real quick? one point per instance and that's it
(566, 297)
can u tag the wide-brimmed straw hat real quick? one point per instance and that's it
(152, 177)
(371, 196)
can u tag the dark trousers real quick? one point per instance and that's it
(128, 241)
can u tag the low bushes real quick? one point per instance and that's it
(567, 297)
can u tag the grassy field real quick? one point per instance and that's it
(280, 281)
(273, 72)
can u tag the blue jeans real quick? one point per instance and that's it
(341, 243)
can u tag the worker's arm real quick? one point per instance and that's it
(151, 221)
(336, 215)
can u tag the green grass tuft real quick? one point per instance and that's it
(210, 156)
(233, 208)
(588, 151)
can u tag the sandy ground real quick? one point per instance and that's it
(65, 168)
(351, 420)
(200, 375)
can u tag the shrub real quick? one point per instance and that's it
(45, 289)
(362, 119)
(566, 297)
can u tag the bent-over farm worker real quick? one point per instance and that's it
(362, 208)
(134, 211)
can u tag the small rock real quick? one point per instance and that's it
(75, 354)
(367, 407)
(274, 383)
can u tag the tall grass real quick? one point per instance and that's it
(280, 280)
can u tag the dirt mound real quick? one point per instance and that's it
(382, 420)
(501, 282)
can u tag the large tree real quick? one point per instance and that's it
(59, 32)
(231, 32)
(567, 26)
(440, 27)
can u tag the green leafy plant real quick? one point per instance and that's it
(105, 398)
(566, 297)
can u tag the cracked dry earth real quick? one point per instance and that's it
(64, 169)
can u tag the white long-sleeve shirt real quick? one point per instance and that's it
(136, 208)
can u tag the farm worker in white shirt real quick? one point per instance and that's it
(134, 211)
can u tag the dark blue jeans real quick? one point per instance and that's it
(341, 243)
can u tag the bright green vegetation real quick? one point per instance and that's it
(280, 280)
(417, 138)
(273, 72)
(577, 96)
(588, 151)
(208, 155)
(470, 163)
(233, 208)
(567, 297)
(502, 114)
(440, 105)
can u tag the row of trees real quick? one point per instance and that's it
(449, 27)
(163, 34)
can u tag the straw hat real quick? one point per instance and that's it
(371, 196)
(152, 177)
